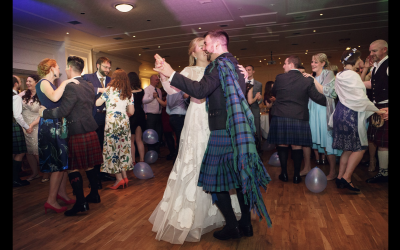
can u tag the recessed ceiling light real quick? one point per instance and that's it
(67, 33)
(348, 48)
(179, 66)
(140, 54)
(306, 53)
(260, 60)
(144, 69)
(306, 50)
(237, 59)
(199, 28)
(123, 7)
(279, 58)
(359, 46)
(314, 30)
(133, 36)
(159, 46)
(265, 59)
(321, 14)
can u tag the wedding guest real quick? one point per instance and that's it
(302, 69)
(349, 119)
(117, 158)
(52, 134)
(19, 144)
(138, 120)
(30, 109)
(268, 98)
(319, 116)
(334, 68)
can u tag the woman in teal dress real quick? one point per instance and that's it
(319, 116)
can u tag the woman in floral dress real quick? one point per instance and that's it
(117, 135)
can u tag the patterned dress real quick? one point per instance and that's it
(117, 133)
(30, 112)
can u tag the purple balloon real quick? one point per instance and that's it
(143, 171)
(267, 147)
(274, 160)
(150, 157)
(150, 136)
(316, 180)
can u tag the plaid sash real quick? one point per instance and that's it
(241, 129)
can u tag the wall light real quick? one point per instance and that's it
(123, 7)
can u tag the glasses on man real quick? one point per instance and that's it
(106, 67)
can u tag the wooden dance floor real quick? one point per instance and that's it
(333, 219)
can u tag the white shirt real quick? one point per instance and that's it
(376, 66)
(100, 76)
(251, 81)
(17, 110)
(150, 104)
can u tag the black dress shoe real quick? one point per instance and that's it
(348, 186)
(20, 183)
(246, 230)
(107, 177)
(283, 177)
(339, 183)
(296, 179)
(378, 178)
(227, 233)
(93, 198)
(77, 208)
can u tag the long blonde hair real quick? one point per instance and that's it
(192, 47)
(321, 57)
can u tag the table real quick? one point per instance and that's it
(264, 124)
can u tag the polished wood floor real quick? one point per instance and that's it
(332, 219)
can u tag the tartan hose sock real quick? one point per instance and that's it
(225, 206)
(75, 178)
(297, 156)
(283, 156)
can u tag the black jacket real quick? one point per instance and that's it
(292, 91)
(210, 86)
(76, 106)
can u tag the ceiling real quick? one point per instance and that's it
(255, 27)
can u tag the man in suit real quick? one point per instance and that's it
(83, 144)
(289, 124)
(99, 79)
(255, 108)
(152, 107)
(226, 164)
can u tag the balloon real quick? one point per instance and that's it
(150, 136)
(143, 171)
(150, 157)
(267, 147)
(274, 160)
(316, 180)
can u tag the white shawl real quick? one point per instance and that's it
(352, 94)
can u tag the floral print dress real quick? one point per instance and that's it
(117, 134)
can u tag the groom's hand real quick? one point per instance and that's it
(162, 66)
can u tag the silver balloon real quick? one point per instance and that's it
(267, 147)
(316, 180)
(142, 170)
(150, 136)
(150, 157)
(274, 160)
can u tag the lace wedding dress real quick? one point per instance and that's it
(186, 212)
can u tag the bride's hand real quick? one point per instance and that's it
(159, 61)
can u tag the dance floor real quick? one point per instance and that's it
(332, 219)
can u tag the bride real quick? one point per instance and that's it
(186, 212)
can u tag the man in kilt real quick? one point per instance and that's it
(230, 160)
(289, 124)
(83, 144)
(378, 93)
(19, 146)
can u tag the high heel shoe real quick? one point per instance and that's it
(348, 186)
(71, 201)
(121, 182)
(48, 206)
(126, 181)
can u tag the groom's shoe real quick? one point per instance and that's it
(246, 230)
(227, 233)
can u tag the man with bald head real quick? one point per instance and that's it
(152, 107)
(378, 93)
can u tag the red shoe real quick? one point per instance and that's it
(126, 181)
(48, 206)
(71, 201)
(121, 182)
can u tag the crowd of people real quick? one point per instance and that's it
(208, 114)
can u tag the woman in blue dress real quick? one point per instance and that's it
(319, 116)
(52, 134)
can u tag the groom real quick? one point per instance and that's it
(231, 159)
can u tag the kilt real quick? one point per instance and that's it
(19, 145)
(217, 172)
(289, 131)
(84, 151)
(380, 136)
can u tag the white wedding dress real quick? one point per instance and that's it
(186, 212)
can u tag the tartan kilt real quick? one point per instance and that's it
(380, 136)
(289, 131)
(19, 144)
(84, 151)
(217, 172)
